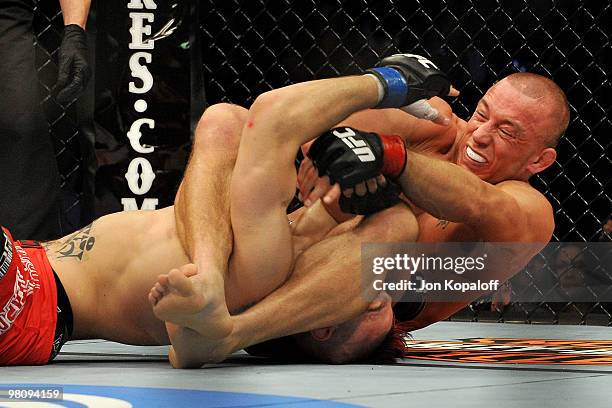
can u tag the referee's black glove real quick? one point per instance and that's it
(74, 68)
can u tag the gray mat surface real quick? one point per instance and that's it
(410, 383)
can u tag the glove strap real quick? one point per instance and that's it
(395, 85)
(394, 156)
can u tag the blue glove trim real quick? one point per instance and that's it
(395, 85)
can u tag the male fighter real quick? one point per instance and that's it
(103, 274)
(263, 184)
(292, 312)
(467, 182)
(99, 277)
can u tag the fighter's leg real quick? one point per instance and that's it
(325, 289)
(202, 202)
(327, 285)
(203, 225)
(263, 183)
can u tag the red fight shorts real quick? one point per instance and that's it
(28, 302)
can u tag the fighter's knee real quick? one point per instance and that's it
(220, 127)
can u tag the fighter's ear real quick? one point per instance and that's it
(544, 160)
(323, 334)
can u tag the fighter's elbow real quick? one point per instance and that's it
(274, 108)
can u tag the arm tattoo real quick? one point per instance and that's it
(442, 224)
(77, 244)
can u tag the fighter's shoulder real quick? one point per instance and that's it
(525, 193)
(535, 213)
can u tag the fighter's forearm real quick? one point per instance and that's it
(75, 11)
(319, 294)
(326, 287)
(447, 191)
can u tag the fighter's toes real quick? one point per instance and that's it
(159, 288)
(180, 283)
(162, 284)
(154, 296)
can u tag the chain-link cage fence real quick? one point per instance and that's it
(251, 47)
(63, 121)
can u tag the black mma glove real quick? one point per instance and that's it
(407, 78)
(73, 61)
(370, 203)
(349, 156)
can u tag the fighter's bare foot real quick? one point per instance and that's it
(158, 290)
(191, 299)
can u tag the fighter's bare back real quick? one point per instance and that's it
(109, 266)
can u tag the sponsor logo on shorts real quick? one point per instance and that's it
(58, 342)
(7, 256)
(26, 282)
(513, 351)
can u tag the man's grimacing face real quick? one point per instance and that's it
(504, 136)
(505, 139)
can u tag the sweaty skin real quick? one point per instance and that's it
(451, 201)
(108, 268)
(484, 209)
(262, 183)
(446, 193)
(452, 204)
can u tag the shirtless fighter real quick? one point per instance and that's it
(466, 182)
(103, 272)
(94, 283)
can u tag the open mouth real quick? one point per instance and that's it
(474, 156)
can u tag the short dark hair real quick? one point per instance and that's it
(393, 346)
(539, 86)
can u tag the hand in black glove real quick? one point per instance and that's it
(74, 69)
(384, 197)
(350, 156)
(407, 78)
(407, 81)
